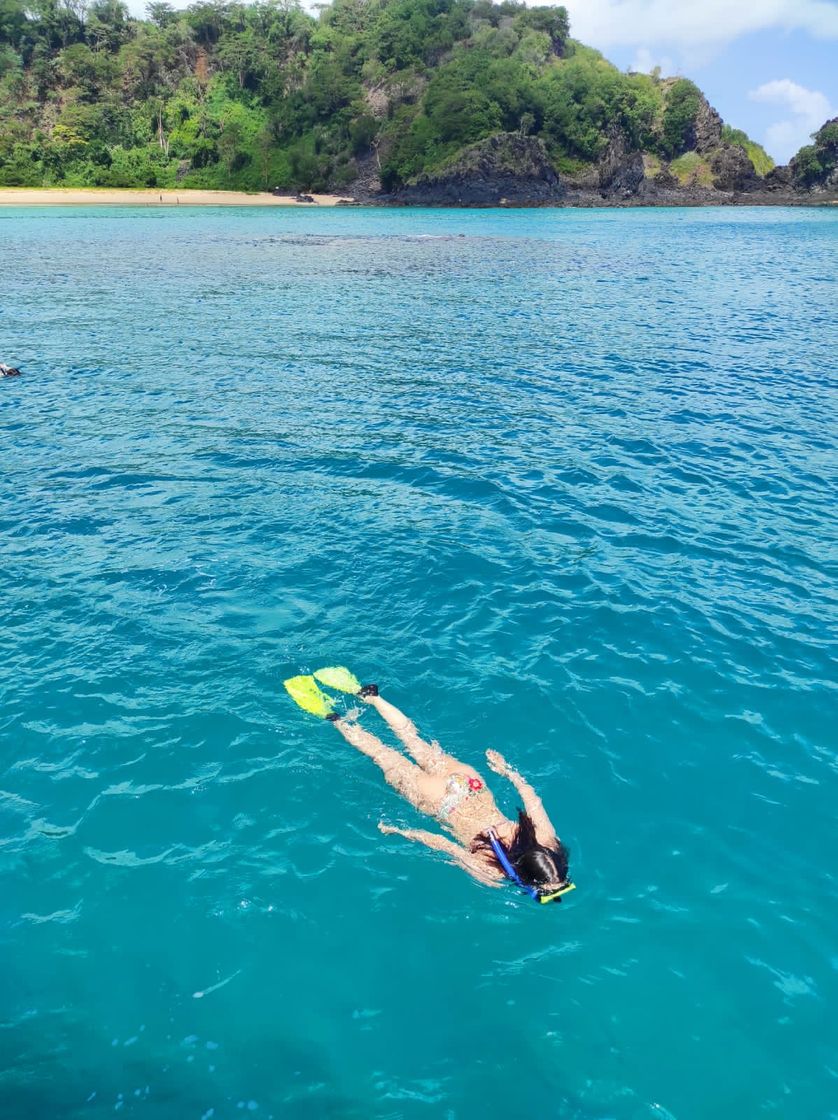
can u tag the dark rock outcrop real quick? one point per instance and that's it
(366, 185)
(620, 168)
(778, 179)
(732, 169)
(707, 129)
(504, 168)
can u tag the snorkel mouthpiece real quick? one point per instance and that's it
(510, 872)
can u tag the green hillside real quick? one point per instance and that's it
(257, 96)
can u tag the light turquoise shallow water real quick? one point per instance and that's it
(563, 482)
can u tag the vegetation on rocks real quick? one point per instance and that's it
(816, 164)
(758, 156)
(371, 92)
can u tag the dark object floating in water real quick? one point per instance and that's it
(8, 371)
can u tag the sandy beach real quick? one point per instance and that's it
(93, 196)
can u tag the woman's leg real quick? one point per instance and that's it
(430, 756)
(401, 774)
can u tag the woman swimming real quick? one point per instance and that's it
(486, 844)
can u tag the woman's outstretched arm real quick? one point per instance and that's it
(439, 843)
(533, 805)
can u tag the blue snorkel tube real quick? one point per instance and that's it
(511, 873)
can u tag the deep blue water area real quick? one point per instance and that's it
(564, 483)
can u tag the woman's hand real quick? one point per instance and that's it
(498, 763)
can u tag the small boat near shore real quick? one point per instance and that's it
(8, 371)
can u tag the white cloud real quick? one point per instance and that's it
(805, 111)
(808, 103)
(693, 25)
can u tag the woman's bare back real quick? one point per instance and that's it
(445, 788)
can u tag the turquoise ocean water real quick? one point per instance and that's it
(563, 482)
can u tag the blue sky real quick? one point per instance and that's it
(768, 66)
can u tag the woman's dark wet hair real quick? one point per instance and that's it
(536, 864)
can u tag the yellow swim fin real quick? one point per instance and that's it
(304, 691)
(337, 677)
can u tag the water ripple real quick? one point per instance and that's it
(564, 483)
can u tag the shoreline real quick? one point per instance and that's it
(152, 196)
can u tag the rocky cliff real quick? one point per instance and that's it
(506, 168)
(511, 169)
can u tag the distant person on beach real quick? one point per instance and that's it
(486, 844)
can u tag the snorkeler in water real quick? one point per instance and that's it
(486, 843)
